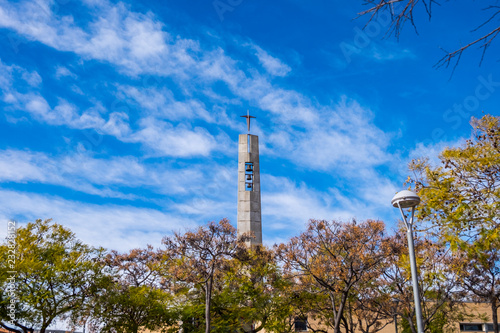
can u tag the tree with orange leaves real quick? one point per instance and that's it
(199, 256)
(332, 259)
(136, 296)
(438, 283)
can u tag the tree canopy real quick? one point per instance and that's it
(334, 259)
(461, 202)
(199, 256)
(135, 296)
(55, 274)
(341, 276)
(461, 195)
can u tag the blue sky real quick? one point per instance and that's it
(120, 120)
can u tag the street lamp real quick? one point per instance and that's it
(408, 199)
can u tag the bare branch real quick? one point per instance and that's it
(402, 11)
(486, 39)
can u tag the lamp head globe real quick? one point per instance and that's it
(406, 199)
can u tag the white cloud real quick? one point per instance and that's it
(326, 135)
(128, 39)
(422, 150)
(340, 139)
(39, 107)
(389, 51)
(76, 172)
(64, 113)
(373, 51)
(375, 191)
(432, 150)
(111, 226)
(272, 65)
(18, 166)
(290, 205)
(172, 140)
(32, 78)
(161, 103)
(287, 206)
(13, 74)
(291, 107)
(157, 135)
(117, 125)
(106, 176)
(62, 71)
(5, 76)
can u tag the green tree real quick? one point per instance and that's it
(461, 204)
(136, 295)
(461, 196)
(55, 273)
(198, 257)
(254, 294)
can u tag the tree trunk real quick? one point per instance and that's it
(43, 328)
(494, 314)
(345, 324)
(208, 298)
(351, 320)
(340, 314)
(411, 323)
(135, 327)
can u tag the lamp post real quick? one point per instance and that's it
(408, 199)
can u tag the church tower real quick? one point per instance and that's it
(249, 211)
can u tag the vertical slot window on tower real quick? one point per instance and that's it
(249, 176)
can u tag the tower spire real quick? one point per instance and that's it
(249, 208)
(248, 116)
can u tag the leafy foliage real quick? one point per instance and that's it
(134, 297)
(55, 275)
(332, 260)
(461, 201)
(462, 195)
(254, 294)
(198, 257)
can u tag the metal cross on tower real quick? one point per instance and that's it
(248, 116)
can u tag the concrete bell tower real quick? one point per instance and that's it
(249, 211)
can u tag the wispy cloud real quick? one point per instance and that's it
(62, 71)
(110, 226)
(177, 137)
(388, 51)
(340, 137)
(107, 176)
(272, 65)
(171, 140)
(15, 75)
(130, 40)
(290, 203)
(161, 103)
(154, 133)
